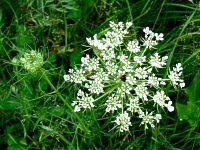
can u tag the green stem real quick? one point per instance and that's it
(65, 102)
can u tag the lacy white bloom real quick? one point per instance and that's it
(148, 118)
(95, 86)
(157, 62)
(142, 73)
(108, 54)
(113, 103)
(174, 76)
(133, 105)
(126, 88)
(123, 120)
(160, 98)
(133, 46)
(76, 76)
(154, 81)
(126, 67)
(151, 39)
(89, 64)
(100, 76)
(97, 43)
(147, 32)
(159, 37)
(112, 38)
(141, 91)
(125, 77)
(130, 79)
(111, 68)
(158, 117)
(83, 101)
(140, 59)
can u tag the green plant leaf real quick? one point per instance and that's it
(191, 111)
(193, 91)
(10, 103)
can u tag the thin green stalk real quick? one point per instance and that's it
(65, 102)
(158, 14)
(129, 9)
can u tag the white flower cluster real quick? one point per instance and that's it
(125, 77)
(31, 61)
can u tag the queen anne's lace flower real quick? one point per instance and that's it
(124, 77)
(154, 81)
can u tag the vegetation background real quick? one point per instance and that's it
(32, 113)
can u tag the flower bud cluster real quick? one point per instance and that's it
(125, 77)
(31, 61)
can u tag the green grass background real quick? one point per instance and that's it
(34, 111)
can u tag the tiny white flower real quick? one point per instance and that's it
(142, 73)
(130, 79)
(174, 76)
(147, 31)
(83, 101)
(182, 84)
(123, 120)
(95, 86)
(158, 62)
(133, 105)
(142, 91)
(169, 106)
(158, 117)
(140, 59)
(159, 37)
(153, 80)
(147, 118)
(76, 76)
(133, 46)
(128, 24)
(113, 103)
(164, 101)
